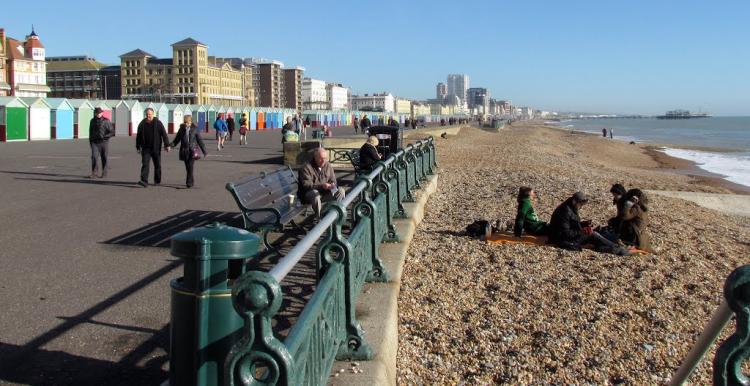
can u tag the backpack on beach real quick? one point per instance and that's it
(479, 229)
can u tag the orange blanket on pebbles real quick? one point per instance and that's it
(509, 238)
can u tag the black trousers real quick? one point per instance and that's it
(189, 162)
(99, 149)
(148, 155)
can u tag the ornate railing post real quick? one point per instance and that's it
(735, 350)
(396, 174)
(258, 358)
(411, 162)
(433, 163)
(403, 166)
(334, 250)
(421, 161)
(367, 209)
(386, 187)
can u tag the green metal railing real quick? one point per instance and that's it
(735, 350)
(327, 329)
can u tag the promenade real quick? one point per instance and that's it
(84, 284)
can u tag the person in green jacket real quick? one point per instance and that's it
(526, 219)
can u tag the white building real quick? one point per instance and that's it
(314, 94)
(337, 96)
(458, 85)
(27, 66)
(376, 102)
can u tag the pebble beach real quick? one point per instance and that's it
(475, 313)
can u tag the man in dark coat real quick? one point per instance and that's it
(100, 131)
(566, 230)
(149, 140)
(365, 124)
(230, 126)
(368, 153)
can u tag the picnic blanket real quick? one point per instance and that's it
(509, 238)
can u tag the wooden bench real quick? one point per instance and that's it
(268, 201)
(353, 156)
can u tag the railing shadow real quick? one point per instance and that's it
(158, 234)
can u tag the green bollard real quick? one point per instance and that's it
(204, 323)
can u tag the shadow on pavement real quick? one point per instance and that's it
(157, 234)
(31, 364)
(90, 181)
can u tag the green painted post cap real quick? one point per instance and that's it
(216, 241)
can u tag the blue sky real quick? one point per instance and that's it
(595, 56)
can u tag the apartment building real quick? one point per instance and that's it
(190, 76)
(82, 77)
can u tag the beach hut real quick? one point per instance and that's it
(174, 116)
(269, 119)
(14, 121)
(261, 122)
(200, 117)
(107, 111)
(161, 111)
(211, 114)
(253, 116)
(83, 111)
(61, 118)
(39, 118)
(128, 114)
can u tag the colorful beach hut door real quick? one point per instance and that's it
(13, 119)
(62, 118)
(83, 111)
(39, 119)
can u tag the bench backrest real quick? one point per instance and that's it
(267, 190)
(354, 157)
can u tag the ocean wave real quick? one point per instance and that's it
(734, 167)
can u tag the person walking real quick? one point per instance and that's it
(149, 139)
(243, 129)
(604, 132)
(611, 133)
(365, 124)
(230, 127)
(100, 131)
(221, 131)
(189, 139)
(355, 122)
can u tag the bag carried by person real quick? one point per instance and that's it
(195, 153)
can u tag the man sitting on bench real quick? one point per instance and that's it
(317, 181)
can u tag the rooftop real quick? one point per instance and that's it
(189, 42)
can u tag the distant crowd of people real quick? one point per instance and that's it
(566, 229)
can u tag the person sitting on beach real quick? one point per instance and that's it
(567, 231)
(526, 219)
(612, 230)
(635, 220)
(368, 153)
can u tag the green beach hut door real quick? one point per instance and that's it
(16, 121)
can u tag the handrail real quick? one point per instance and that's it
(735, 350)
(287, 263)
(327, 328)
(719, 320)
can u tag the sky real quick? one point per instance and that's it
(634, 57)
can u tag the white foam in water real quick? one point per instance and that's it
(734, 167)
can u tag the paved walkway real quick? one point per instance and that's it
(84, 284)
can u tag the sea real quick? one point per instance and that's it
(719, 145)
